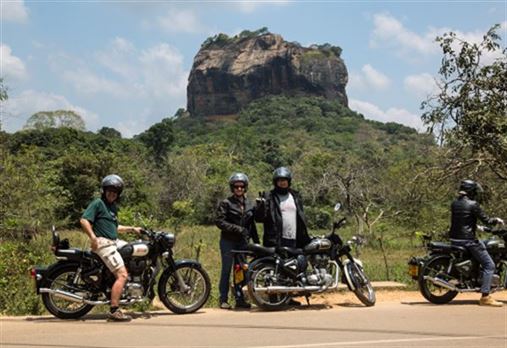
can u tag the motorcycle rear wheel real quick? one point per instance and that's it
(362, 286)
(437, 266)
(261, 277)
(189, 300)
(63, 278)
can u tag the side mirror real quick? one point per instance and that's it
(337, 206)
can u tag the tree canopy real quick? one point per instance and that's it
(55, 119)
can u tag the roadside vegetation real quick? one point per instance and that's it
(392, 181)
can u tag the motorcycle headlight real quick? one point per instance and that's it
(168, 240)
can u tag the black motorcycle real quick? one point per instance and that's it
(79, 280)
(275, 275)
(448, 270)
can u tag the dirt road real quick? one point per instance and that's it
(399, 319)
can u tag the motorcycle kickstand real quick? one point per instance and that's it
(307, 297)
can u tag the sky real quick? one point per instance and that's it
(125, 64)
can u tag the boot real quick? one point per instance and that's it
(489, 301)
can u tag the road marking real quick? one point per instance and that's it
(396, 340)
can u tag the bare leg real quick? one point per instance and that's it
(121, 278)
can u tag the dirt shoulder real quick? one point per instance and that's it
(348, 298)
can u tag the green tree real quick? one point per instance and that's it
(55, 119)
(468, 113)
(109, 133)
(3, 97)
(158, 139)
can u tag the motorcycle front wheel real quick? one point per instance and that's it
(65, 278)
(436, 268)
(262, 276)
(362, 286)
(189, 296)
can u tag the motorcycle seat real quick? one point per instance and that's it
(446, 247)
(258, 249)
(290, 251)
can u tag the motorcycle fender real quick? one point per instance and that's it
(40, 273)
(255, 262)
(350, 284)
(188, 262)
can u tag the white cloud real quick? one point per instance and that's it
(162, 69)
(391, 32)
(25, 104)
(130, 127)
(184, 21)
(119, 58)
(252, 6)
(422, 85)
(393, 114)
(369, 78)
(14, 11)
(11, 66)
(87, 82)
(156, 72)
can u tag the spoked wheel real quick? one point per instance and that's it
(437, 267)
(188, 296)
(362, 286)
(65, 278)
(263, 276)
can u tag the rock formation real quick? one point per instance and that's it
(228, 73)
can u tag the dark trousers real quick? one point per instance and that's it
(227, 261)
(479, 252)
(291, 243)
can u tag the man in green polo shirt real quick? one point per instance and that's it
(100, 223)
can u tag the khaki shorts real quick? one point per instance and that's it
(108, 251)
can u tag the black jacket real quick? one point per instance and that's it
(464, 215)
(234, 221)
(269, 213)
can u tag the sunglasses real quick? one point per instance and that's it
(239, 186)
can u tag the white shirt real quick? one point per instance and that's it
(289, 216)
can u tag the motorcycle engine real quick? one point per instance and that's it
(134, 290)
(319, 275)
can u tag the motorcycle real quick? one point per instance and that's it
(275, 275)
(79, 280)
(448, 269)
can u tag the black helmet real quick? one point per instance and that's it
(238, 177)
(282, 173)
(471, 188)
(114, 181)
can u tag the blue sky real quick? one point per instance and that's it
(125, 64)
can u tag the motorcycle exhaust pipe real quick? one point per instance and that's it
(70, 296)
(446, 285)
(287, 289)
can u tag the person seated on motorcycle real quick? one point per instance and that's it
(465, 211)
(281, 212)
(235, 219)
(99, 221)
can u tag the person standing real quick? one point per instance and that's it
(100, 223)
(281, 212)
(465, 211)
(235, 219)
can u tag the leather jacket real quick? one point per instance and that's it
(236, 221)
(464, 215)
(268, 212)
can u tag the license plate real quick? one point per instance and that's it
(413, 270)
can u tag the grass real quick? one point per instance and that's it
(17, 258)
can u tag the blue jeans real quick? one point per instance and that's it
(479, 252)
(227, 261)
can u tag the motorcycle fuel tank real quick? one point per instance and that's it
(317, 245)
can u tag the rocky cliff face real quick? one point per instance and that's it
(228, 73)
